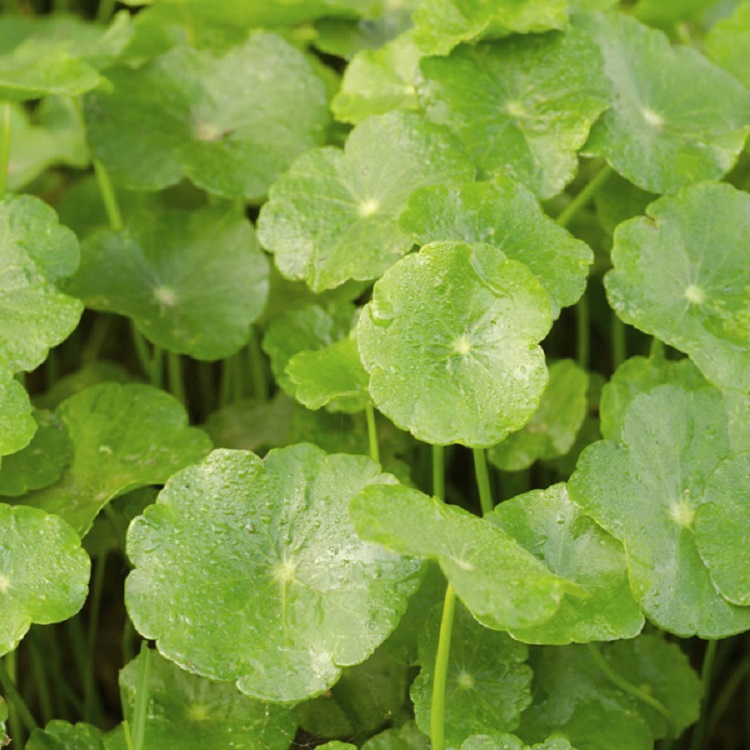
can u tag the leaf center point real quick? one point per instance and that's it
(285, 571)
(465, 681)
(654, 119)
(165, 296)
(368, 207)
(4, 584)
(694, 294)
(462, 345)
(682, 514)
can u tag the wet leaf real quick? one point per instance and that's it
(17, 425)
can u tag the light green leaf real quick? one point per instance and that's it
(36, 254)
(646, 492)
(60, 735)
(639, 375)
(17, 425)
(722, 527)
(450, 341)
(618, 200)
(41, 462)
(44, 572)
(513, 110)
(221, 120)
(728, 43)
(554, 530)
(667, 13)
(92, 373)
(552, 431)
(686, 124)
(186, 712)
(511, 742)
(406, 737)
(488, 682)
(332, 376)
(276, 593)
(377, 81)
(505, 214)
(442, 24)
(124, 436)
(669, 280)
(193, 282)
(334, 215)
(500, 583)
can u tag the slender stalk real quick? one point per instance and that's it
(99, 330)
(41, 682)
(207, 385)
(16, 703)
(238, 378)
(90, 696)
(174, 375)
(128, 736)
(619, 345)
(483, 480)
(583, 198)
(583, 332)
(724, 698)
(257, 367)
(140, 710)
(631, 689)
(437, 707)
(699, 731)
(105, 10)
(656, 350)
(226, 384)
(438, 471)
(109, 198)
(4, 148)
(372, 433)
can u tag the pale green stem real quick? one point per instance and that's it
(109, 198)
(483, 480)
(583, 332)
(656, 351)
(437, 707)
(257, 367)
(438, 471)
(583, 198)
(16, 703)
(619, 347)
(174, 375)
(372, 433)
(140, 710)
(97, 588)
(105, 10)
(699, 731)
(4, 149)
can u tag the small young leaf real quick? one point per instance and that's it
(334, 215)
(450, 341)
(124, 436)
(44, 572)
(250, 571)
(513, 110)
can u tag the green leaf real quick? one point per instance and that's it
(41, 462)
(186, 712)
(552, 430)
(639, 375)
(728, 43)
(512, 109)
(185, 115)
(505, 214)
(646, 492)
(500, 583)
(668, 279)
(488, 682)
(554, 530)
(443, 24)
(60, 735)
(667, 13)
(332, 376)
(618, 200)
(450, 341)
(721, 529)
(92, 373)
(44, 572)
(334, 215)
(36, 254)
(277, 592)
(377, 81)
(511, 742)
(686, 124)
(4, 739)
(17, 425)
(124, 436)
(406, 737)
(193, 282)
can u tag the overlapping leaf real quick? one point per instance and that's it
(60, 735)
(513, 110)
(124, 436)
(277, 571)
(511, 742)
(728, 42)
(334, 215)
(44, 572)
(192, 282)
(406, 737)
(450, 342)
(17, 425)
(505, 214)
(221, 120)
(683, 275)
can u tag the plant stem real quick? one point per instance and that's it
(16, 703)
(583, 333)
(257, 367)
(438, 471)
(483, 480)
(699, 731)
(656, 350)
(96, 339)
(4, 149)
(92, 707)
(437, 707)
(724, 698)
(619, 347)
(582, 199)
(631, 689)
(372, 433)
(140, 710)
(109, 198)
(174, 375)
(105, 10)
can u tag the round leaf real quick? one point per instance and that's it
(728, 43)
(276, 592)
(686, 124)
(44, 572)
(124, 437)
(17, 425)
(406, 737)
(669, 280)
(36, 254)
(60, 735)
(513, 110)
(505, 214)
(223, 121)
(511, 742)
(334, 215)
(192, 282)
(450, 341)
